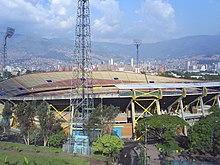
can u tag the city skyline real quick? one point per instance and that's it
(118, 21)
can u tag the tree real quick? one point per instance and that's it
(214, 108)
(50, 128)
(46, 120)
(6, 115)
(205, 134)
(25, 113)
(165, 129)
(102, 118)
(108, 145)
(7, 74)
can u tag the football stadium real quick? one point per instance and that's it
(137, 95)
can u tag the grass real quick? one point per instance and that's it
(18, 146)
(15, 152)
(99, 156)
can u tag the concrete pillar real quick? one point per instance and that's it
(202, 105)
(218, 102)
(101, 101)
(133, 119)
(158, 107)
(181, 108)
(71, 121)
(169, 109)
(185, 131)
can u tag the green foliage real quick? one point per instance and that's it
(7, 74)
(160, 124)
(7, 110)
(101, 118)
(190, 75)
(33, 148)
(205, 135)
(167, 147)
(107, 145)
(57, 140)
(48, 124)
(42, 112)
(36, 155)
(165, 129)
(33, 158)
(25, 113)
(6, 115)
(214, 108)
(212, 77)
(26, 162)
(33, 134)
(28, 72)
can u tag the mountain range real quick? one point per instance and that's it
(27, 47)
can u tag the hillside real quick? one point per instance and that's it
(24, 47)
(187, 47)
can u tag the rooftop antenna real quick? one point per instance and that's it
(8, 34)
(137, 43)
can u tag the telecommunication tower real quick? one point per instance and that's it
(8, 34)
(82, 67)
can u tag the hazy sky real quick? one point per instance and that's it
(114, 20)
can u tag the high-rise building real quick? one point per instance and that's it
(132, 62)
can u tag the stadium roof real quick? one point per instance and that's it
(59, 83)
(167, 85)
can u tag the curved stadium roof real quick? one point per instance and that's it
(59, 83)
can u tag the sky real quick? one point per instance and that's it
(119, 21)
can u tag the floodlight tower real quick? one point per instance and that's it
(137, 43)
(82, 67)
(8, 34)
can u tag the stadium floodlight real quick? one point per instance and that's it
(137, 43)
(8, 34)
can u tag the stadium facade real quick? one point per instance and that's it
(137, 95)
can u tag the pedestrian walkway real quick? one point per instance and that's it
(153, 154)
(128, 155)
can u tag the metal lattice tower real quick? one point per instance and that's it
(82, 68)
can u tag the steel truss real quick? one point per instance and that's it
(139, 97)
(82, 67)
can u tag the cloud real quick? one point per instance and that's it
(155, 19)
(108, 15)
(55, 18)
(37, 16)
(157, 15)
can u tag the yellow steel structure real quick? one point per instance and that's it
(59, 113)
(154, 96)
(214, 100)
(178, 106)
(140, 96)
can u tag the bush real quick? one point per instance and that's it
(57, 140)
(205, 135)
(107, 145)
